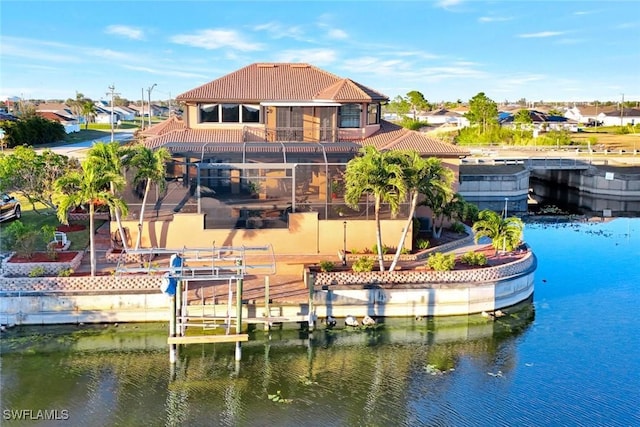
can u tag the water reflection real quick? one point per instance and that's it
(122, 376)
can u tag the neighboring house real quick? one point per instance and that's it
(125, 113)
(540, 121)
(103, 114)
(624, 117)
(588, 113)
(443, 116)
(272, 140)
(58, 108)
(70, 124)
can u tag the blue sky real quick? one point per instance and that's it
(448, 50)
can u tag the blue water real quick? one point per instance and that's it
(570, 358)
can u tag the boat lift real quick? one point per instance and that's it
(180, 267)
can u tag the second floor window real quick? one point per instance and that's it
(373, 114)
(229, 113)
(350, 116)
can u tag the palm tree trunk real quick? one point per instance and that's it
(379, 234)
(116, 211)
(403, 237)
(140, 221)
(92, 239)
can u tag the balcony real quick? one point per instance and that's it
(298, 134)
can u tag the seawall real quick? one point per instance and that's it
(110, 299)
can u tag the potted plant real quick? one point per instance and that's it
(337, 189)
(254, 188)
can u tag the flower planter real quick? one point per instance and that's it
(16, 266)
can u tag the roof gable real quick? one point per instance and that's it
(280, 82)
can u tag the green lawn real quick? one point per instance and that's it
(79, 239)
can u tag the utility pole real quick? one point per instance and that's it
(149, 92)
(111, 92)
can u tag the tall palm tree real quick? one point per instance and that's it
(426, 176)
(88, 110)
(151, 167)
(86, 187)
(505, 233)
(112, 158)
(377, 174)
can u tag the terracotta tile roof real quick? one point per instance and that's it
(52, 106)
(395, 137)
(169, 125)
(55, 117)
(389, 137)
(280, 82)
(346, 90)
(196, 136)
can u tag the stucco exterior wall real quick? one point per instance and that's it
(306, 235)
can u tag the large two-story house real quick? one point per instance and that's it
(272, 140)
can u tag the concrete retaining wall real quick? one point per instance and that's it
(426, 293)
(50, 300)
(49, 268)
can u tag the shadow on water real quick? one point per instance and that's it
(351, 376)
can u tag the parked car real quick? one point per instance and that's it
(9, 207)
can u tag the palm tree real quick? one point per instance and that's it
(439, 195)
(112, 158)
(427, 176)
(88, 186)
(88, 110)
(150, 167)
(505, 233)
(380, 175)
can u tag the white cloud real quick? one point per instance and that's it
(486, 19)
(335, 33)
(161, 71)
(627, 25)
(39, 50)
(278, 31)
(216, 39)
(320, 57)
(448, 3)
(125, 31)
(541, 34)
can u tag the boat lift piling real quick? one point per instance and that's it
(208, 264)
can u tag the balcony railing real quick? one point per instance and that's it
(291, 134)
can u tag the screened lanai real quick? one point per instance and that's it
(257, 185)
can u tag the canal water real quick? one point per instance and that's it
(569, 357)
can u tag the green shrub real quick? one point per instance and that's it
(409, 123)
(37, 271)
(441, 262)
(469, 213)
(622, 130)
(474, 258)
(65, 272)
(355, 251)
(457, 227)
(405, 251)
(327, 265)
(422, 244)
(363, 264)
(22, 238)
(374, 249)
